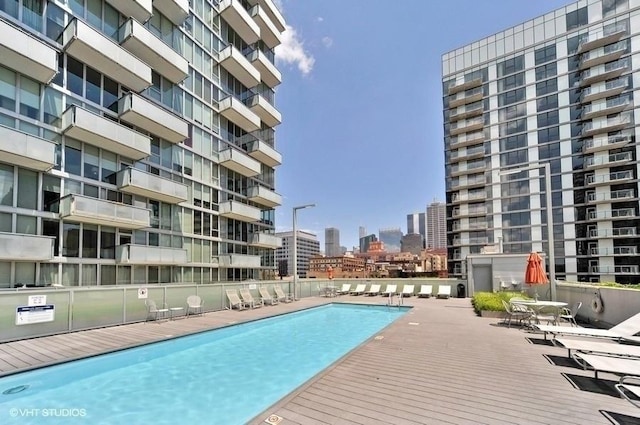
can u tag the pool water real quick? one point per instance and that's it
(226, 376)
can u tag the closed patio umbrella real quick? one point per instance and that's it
(535, 274)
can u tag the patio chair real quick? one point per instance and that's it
(194, 304)
(444, 291)
(246, 296)
(426, 291)
(154, 312)
(359, 289)
(390, 290)
(346, 288)
(569, 314)
(624, 329)
(374, 289)
(546, 314)
(281, 296)
(235, 301)
(407, 290)
(517, 312)
(609, 364)
(266, 296)
(629, 389)
(591, 346)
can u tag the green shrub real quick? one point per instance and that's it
(492, 301)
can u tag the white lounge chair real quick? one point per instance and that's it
(281, 296)
(591, 346)
(359, 289)
(246, 296)
(266, 296)
(626, 328)
(374, 289)
(235, 301)
(629, 386)
(426, 291)
(617, 365)
(407, 290)
(390, 290)
(444, 291)
(346, 288)
(194, 304)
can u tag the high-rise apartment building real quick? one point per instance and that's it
(307, 245)
(391, 238)
(417, 223)
(556, 90)
(137, 141)
(436, 225)
(332, 242)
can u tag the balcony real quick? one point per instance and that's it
(141, 183)
(238, 18)
(27, 54)
(459, 86)
(239, 162)
(606, 143)
(238, 211)
(272, 12)
(601, 38)
(84, 209)
(608, 179)
(153, 51)
(614, 196)
(466, 126)
(612, 160)
(156, 255)
(239, 261)
(460, 169)
(465, 112)
(605, 126)
(468, 139)
(21, 247)
(141, 10)
(604, 55)
(175, 10)
(609, 107)
(615, 251)
(269, 74)
(620, 232)
(462, 98)
(608, 89)
(263, 196)
(25, 150)
(267, 113)
(264, 153)
(629, 269)
(234, 110)
(92, 47)
(152, 117)
(602, 73)
(619, 213)
(269, 34)
(234, 61)
(104, 133)
(265, 240)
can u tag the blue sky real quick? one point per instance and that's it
(361, 103)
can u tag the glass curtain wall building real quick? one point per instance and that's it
(137, 141)
(557, 90)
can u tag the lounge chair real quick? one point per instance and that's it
(590, 346)
(346, 288)
(374, 289)
(407, 290)
(616, 365)
(266, 296)
(235, 301)
(390, 290)
(281, 296)
(444, 291)
(194, 304)
(569, 314)
(154, 312)
(626, 328)
(359, 289)
(426, 291)
(246, 296)
(628, 387)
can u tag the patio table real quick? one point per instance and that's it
(538, 306)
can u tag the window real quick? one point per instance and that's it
(511, 66)
(548, 102)
(548, 118)
(27, 189)
(545, 54)
(510, 82)
(577, 18)
(510, 97)
(72, 158)
(7, 89)
(513, 142)
(548, 134)
(611, 7)
(515, 126)
(89, 241)
(546, 71)
(6, 185)
(545, 87)
(513, 158)
(70, 240)
(550, 150)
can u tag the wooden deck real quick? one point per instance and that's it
(439, 364)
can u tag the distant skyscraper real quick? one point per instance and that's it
(417, 223)
(332, 242)
(413, 243)
(391, 239)
(365, 241)
(362, 232)
(307, 246)
(436, 225)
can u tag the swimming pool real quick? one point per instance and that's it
(225, 376)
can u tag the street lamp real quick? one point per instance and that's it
(295, 246)
(547, 181)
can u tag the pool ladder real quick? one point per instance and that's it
(398, 297)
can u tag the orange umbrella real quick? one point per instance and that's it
(535, 274)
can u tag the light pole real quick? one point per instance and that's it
(547, 184)
(295, 246)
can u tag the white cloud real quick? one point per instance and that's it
(327, 41)
(291, 51)
(320, 19)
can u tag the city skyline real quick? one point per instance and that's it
(388, 171)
